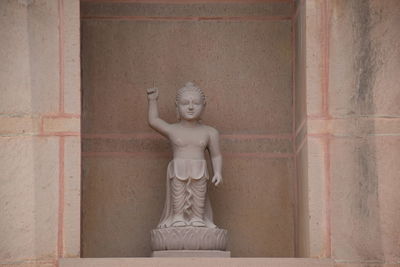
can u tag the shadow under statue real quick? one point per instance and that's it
(186, 227)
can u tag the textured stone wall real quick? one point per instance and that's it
(363, 101)
(39, 132)
(348, 202)
(241, 55)
(346, 145)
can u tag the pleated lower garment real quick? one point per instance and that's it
(188, 197)
(187, 192)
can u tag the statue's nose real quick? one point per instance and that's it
(191, 106)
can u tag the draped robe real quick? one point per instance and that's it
(186, 193)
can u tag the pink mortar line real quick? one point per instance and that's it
(186, 1)
(369, 117)
(61, 53)
(328, 233)
(325, 57)
(60, 134)
(219, 18)
(29, 262)
(60, 235)
(61, 116)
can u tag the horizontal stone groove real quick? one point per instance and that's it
(219, 18)
(371, 116)
(355, 126)
(27, 262)
(28, 125)
(158, 136)
(40, 134)
(165, 154)
(156, 143)
(366, 261)
(59, 115)
(331, 136)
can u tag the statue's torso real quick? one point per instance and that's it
(189, 143)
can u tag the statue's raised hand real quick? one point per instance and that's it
(152, 93)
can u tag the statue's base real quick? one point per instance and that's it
(188, 238)
(191, 254)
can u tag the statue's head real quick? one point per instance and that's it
(190, 102)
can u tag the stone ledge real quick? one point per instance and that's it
(191, 254)
(194, 262)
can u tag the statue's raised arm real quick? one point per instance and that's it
(155, 121)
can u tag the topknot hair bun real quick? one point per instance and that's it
(190, 87)
(189, 84)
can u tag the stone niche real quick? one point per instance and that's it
(241, 56)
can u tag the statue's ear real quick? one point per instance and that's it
(178, 116)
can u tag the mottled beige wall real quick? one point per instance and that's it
(39, 132)
(244, 65)
(351, 205)
(364, 99)
(346, 154)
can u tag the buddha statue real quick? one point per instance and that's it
(187, 206)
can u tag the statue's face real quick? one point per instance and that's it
(190, 106)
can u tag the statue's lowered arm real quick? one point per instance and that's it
(216, 157)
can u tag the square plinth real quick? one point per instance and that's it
(191, 254)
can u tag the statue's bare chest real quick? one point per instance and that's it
(189, 138)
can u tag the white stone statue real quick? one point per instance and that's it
(187, 208)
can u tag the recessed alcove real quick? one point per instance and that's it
(341, 176)
(241, 55)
